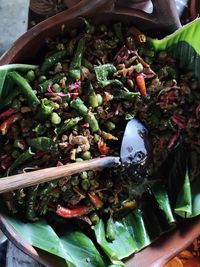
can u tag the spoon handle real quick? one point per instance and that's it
(49, 174)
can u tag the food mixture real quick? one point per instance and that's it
(75, 106)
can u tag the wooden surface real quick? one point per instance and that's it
(23, 180)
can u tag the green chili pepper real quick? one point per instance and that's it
(110, 230)
(45, 110)
(102, 73)
(30, 203)
(44, 144)
(92, 96)
(74, 68)
(121, 94)
(67, 125)
(79, 106)
(118, 31)
(21, 159)
(55, 79)
(52, 60)
(25, 88)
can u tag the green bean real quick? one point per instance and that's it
(74, 68)
(52, 60)
(68, 124)
(30, 203)
(44, 144)
(80, 107)
(110, 230)
(25, 88)
(20, 160)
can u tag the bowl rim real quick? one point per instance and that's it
(174, 241)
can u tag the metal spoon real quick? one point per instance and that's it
(133, 155)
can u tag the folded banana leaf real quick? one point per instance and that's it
(160, 207)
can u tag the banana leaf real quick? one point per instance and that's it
(75, 247)
(136, 230)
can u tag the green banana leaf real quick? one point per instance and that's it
(75, 247)
(158, 210)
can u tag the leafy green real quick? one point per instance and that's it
(6, 68)
(75, 247)
(184, 199)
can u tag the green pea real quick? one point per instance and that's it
(110, 125)
(99, 99)
(86, 155)
(30, 75)
(94, 218)
(139, 68)
(56, 87)
(42, 79)
(83, 175)
(75, 180)
(55, 118)
(85, 184)
(79, 159)
(90, 174)
(94, 184)
(96, 138)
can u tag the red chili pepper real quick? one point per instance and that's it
(7, 113)
(72, 213)
(103, 149)
(141, 84)
(4, 126)
(96, 201)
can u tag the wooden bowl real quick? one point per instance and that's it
(25, 49)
